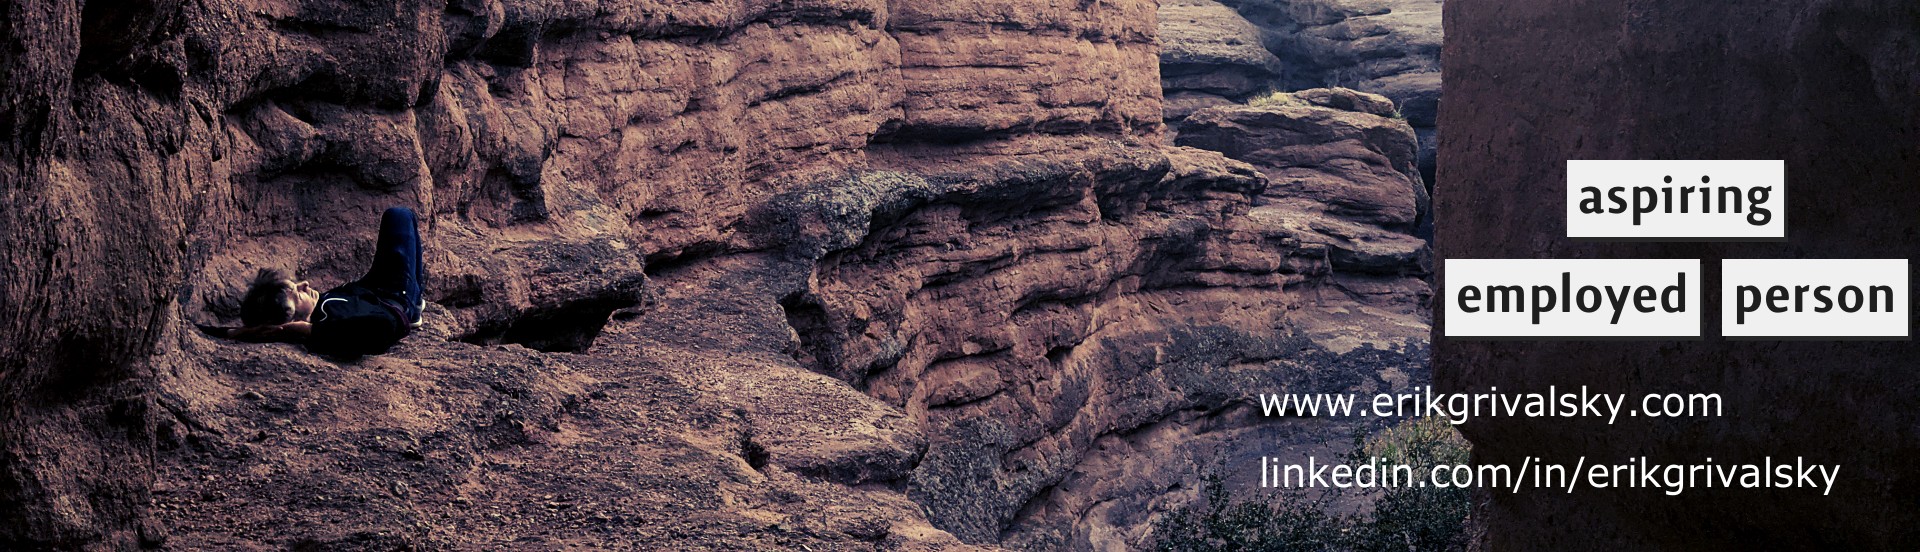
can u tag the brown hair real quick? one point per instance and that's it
(269, 299)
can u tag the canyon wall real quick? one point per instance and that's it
(742, 274)
(1227, 51)
(1828, 86)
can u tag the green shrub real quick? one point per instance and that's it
(1401, 519)
(1219, 523)
(1416, 518)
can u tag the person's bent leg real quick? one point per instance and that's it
(396, 260)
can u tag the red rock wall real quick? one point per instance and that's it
(713, 204)
(1828, 86)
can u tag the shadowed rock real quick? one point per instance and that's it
(1209, 55)
(1386, 47)
(1826, 86)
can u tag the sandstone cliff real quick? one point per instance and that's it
(744, 274)
(1210, 56)
(1387, 47)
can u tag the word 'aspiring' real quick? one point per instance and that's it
(1665, 199)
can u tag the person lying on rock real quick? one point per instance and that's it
(275, 308)
(364, 317)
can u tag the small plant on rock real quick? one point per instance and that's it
(1276, 98)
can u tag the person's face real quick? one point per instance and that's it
(304, 297)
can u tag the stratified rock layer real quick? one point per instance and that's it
(1389, 47)
(1343, 188)
(1386, 47)
(1209, 56)
(1336, 150)
(1826, 86)
(749, 275)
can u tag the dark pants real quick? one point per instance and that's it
(369, 315)
(396, 261)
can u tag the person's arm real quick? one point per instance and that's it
(291, 332)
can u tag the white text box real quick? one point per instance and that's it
(1572, 298)
(1656, 200)
(1815, 298)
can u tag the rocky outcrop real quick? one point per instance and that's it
(1386, 47)
(1343, 184)
(832, 275)
(1336, 151)
(1044, 352)
(1826, 86)
(1210, 55)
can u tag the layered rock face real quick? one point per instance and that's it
(1210, 56)
(1387, 47)
(1342, 186)
(1827, 86)
(1331, 151)
(1065, 359)
(838, 275)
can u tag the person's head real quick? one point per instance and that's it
(274, 298)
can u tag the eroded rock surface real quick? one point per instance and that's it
(1210, 55)
(821, 274)
(1389, 47)
(1386, 47)
(1138, 293)
(1342, 177)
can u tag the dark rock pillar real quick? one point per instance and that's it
(1829, 86)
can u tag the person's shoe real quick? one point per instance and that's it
(419, 315)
